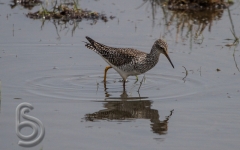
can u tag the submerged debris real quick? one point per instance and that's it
(67, 12)
(186, 74)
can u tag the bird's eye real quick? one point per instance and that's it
(159, 47)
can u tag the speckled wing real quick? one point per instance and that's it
(116, 56)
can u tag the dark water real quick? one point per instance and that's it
(46, 64)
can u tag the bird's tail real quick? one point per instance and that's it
(90, 40)
(90, 45)
(93, 45)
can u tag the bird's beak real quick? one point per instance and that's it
(165, 53)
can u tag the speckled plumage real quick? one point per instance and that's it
(128, 61)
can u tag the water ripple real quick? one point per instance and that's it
(91, 87)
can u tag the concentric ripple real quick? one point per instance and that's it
(91, 87)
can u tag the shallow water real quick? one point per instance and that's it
(63, 80)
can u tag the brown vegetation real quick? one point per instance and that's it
(68, 11)
(197, 4)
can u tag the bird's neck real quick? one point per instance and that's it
(154, 53)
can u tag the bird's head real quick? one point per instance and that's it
(162, 47)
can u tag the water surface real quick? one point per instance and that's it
(51, 68)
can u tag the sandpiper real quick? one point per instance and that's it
(129, 61)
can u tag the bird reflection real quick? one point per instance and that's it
(158, 126)
(123, 109)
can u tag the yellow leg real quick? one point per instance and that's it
(105, 73)
(136, 78)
